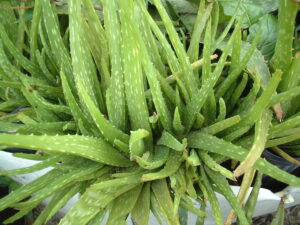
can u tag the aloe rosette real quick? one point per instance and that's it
(129, 122)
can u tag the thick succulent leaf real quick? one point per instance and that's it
(92, 148)
(140, 212)
(225, 189)
(58, 200)
(61, 182)
(160, 157)
(200, 97)
(172, 165)
(91, 203)
(44, 164)
(109, 131)
(171, 142)
(28, 189)
(261, 133)
(213, 144)
(215, 205)
(117, 108)
(136, 142)
(162, 194)
(123, 205)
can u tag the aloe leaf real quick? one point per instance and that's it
(215, 205)
(282, 57)
(282, 140)
(279, 215)
(36, 18)
(261, 104)
(209, 108)
(58, 48)
(199, 98)
(191, 208)
(97, 40)
(134, 87)
(72, 102)
(177, 123)
(26, 63)
(42, 165)
(261, 133)
(12, 104)
(40, 58)
(222, 110)
(58, 200)
(160, 157)
(201, 19)
(123, 205)
(109, 132)
(156, 209)
(213, 165)
(140, 212)
(227, 28)
(117, 95)
(150, 42)
(238, 91)
(243, 191)
(132, 179)
(60, 182)
(46, 128)
(172, 165)
(92, 148)
(42, 113)
(164, 199)
(252, 199)
(91, 203)
(203, 141)
(224, 187)
(237, 70)
(171, 142)
(277, 129)
(222, 125)
(179, 49)
(28, 189)
(19, 215)
(170, 55)
(154, 81)
(83, 67)
(283, 97)
(136, 143)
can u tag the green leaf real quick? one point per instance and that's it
(225, 189)
(268, 25)
(172, 165)
(161, 154)
(164, 199)
(136, 143)
(58, 200)
(92, 148)
(140, 212)
(109, 131)
(123, 205)
(253, 9)
(204, 141)
(28, 189)
(44, 164)
(171, 142)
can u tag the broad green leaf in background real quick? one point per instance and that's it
(253, 9)
(268, 24)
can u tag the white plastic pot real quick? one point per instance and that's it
(267, 201)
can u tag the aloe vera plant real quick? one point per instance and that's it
(134, 120)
